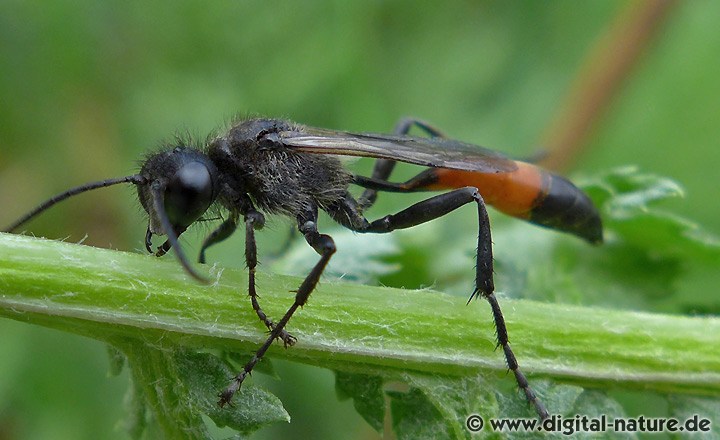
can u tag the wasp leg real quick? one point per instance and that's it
(346, 213)
(418, 183)
(384, 167)
(148, 240)
(323, 245)
(405, 124)
(163, 248)
(381, 171)
(536, 157)
(255, 220)
(220, 234)
(284, 247)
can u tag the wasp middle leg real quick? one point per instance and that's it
(323, 245)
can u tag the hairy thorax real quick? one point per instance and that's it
(278, 179)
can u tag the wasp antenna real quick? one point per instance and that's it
(158, 193)
(135, 179)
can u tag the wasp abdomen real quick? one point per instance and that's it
(529, 193)
(562, 206)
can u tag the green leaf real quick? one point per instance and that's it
(416, 418)
(647, 252)
(160, 390)
(178, 386)
(238, 360)
(595, 404)
(696, 408)
(628, 196)
(455, 399)
(205, 374)
(117, 360)
(367, 394)
(136, 412)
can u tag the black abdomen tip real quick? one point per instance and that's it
(566, 208)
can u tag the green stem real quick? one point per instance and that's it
(109, 294)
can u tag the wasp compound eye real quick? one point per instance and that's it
(188, 181)
(189, 193)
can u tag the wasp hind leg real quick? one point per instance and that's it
(347, 214)
(384, 167)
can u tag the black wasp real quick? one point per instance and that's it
(274, 166)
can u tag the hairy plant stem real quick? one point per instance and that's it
(105, 294)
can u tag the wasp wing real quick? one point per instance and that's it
(431, 152)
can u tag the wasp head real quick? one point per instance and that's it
(181, 184)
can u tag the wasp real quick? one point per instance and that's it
(266, 166)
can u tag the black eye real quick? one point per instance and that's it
(189, 193)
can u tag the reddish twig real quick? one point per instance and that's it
(608, 64)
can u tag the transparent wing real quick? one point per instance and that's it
(432, 152)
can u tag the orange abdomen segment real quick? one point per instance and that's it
(532, 194)
(515, 193)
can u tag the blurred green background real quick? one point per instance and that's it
(87, 87)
